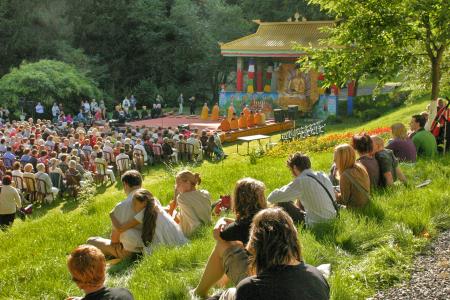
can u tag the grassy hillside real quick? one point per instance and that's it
(368, 250)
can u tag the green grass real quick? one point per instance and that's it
(369, 249)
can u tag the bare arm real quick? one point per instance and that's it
(388, 178)
(121, 228)
(400, 175)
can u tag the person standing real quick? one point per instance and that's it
(39, 111)
(180, 104)
(126, 105)
(55, 112)
(192, 105)
(133, 102)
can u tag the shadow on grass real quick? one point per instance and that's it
(123, 266)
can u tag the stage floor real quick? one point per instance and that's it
(195, 122)
(175, 121)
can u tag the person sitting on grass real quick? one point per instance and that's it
(363, 144)
(87, 266)
(229, 256)
(389, 168)
(313, 190)
(277, 264)
(354, 182)
(195, 205)
(424, 141)
(403, 147)
(151, 226)
(121, 246)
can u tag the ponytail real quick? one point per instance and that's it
(186, 175)
(150, 215)
(198, 180)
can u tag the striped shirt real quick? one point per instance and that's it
(312, 195)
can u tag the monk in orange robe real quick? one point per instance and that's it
(225, 125)
(230, 112)
(263, 118)
(246, 111)
(257, 118)
(251, 119)
(204, 114)
(215, 113)
(242, 121)
(234, 122)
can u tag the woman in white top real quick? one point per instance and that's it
(195, 205)
(9, 202)
(151, 226)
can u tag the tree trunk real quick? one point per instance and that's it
(435, 78)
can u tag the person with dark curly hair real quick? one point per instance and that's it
(229, 256)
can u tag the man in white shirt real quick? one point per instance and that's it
(313, 189)
(122, 244)
(39, 110)
(126, 105)
(55, 112)
(140, 146)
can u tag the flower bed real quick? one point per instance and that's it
(322, 143)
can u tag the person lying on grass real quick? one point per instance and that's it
(151, 223)
(229, 260)
(195, 205)
(389, 168)
(87, 266)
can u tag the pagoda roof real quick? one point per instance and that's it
(276, 39)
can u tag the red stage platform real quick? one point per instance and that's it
(195, 122)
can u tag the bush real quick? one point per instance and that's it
(47, 81)
(370, 107)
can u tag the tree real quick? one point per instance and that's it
(47, 81)
(381, 37)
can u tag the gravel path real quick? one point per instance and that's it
(431, 275)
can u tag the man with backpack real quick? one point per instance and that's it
(313, 190)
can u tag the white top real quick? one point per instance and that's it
(126, 103)
(195, 210)
(141, 147)
(312, 195)
(167, 232)
(39, 109)
(9, 200)
(55, 110)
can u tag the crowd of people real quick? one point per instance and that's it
(44, 160)
(257, 252)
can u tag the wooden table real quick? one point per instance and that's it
(250, 138)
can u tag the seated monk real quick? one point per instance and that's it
(258, 118)
(251, 120)
(242, 121)
(246, 111)
(234, 122)
(230, 112)
(225, 125)
(215, 113)
(263, 118)
(204, 114)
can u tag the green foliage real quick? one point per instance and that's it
(382, 38)
(47, 81)
(370, 107)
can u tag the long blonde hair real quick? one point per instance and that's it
(344, 157)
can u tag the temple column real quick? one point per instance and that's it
(240, 74)
(259, 76)
(350, 97)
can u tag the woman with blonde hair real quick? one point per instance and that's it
(194, 205)
(354, 182)
(403, 147)
(229, 259)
